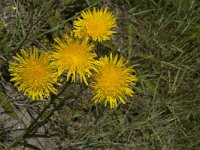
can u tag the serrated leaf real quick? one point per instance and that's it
(7, 106)
(108, 44)
(2, 26)
(77, 114)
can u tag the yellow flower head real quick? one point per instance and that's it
(33, 74)
(96, 24)
(112, 81)
(75, 57)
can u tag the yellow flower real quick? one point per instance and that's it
(96, 24)
(75, 57)
(33, 74)
(112, 80)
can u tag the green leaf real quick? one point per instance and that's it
(7, 106)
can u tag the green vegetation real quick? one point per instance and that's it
(161, 38)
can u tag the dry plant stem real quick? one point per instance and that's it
(32, 126)
(35, 125)
(30, 30)
(57, 107)
(27, 35)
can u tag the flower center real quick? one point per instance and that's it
(110, 79)
(35, 73)
(96, 25)
(74, 57)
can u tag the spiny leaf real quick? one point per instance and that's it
(7, 106)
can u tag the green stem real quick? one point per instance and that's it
(52, 111)
(100, 115)
(36, 124)
(23, 136)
